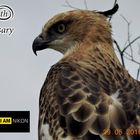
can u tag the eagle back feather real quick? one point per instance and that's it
(77, 103)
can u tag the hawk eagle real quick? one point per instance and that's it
(87, 95)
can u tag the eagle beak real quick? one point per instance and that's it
(39, 44)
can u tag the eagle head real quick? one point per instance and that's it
(66, 29)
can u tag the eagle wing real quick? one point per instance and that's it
(73, 99)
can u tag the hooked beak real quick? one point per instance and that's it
(39, 44)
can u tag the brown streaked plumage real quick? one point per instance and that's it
(88, 91)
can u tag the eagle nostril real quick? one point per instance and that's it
(41, 37)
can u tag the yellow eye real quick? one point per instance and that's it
(61, 28)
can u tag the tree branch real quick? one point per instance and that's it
(120, 52)
(138, 72)
(85, 3)
(69, 5)
(130, 58)
(131, 43)
(128, 34)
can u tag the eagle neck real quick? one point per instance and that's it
(101, 59)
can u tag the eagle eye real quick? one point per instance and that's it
(61, 28)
